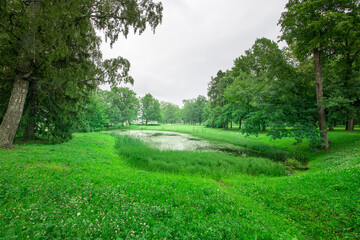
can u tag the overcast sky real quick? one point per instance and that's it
(196, 39)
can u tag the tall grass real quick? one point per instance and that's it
(214, 164)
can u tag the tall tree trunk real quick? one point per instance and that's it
(350, 125)
(30, 130)
(14, 112)
(30, 111)
(231, 124)
(240, 123)
(320, 98)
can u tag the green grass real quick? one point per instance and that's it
(83, 189)
(211, 164)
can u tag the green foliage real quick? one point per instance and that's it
(219, 114)
(121, 105)
(4, 97)
(216, 88)
(264, 90)
(150, 109)
(341, 76)
(108, 108)
(193, 111)
(54, 46)
(92, 116)
(313, 24)
(331, 28)
(170, 112)
(271, 89)
(292, 164)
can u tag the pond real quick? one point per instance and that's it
(181, 142)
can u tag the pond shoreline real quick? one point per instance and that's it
(162, 140)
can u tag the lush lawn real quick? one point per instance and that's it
(86, 188)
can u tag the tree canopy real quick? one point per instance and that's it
(170, 112)
(122, 105)
(324, 29)
(150, 109)
(53, 46)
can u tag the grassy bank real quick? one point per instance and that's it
(84, 189)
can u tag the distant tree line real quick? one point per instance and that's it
(120, 106)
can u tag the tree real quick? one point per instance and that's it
(122, 105)
(92, 115)
(312, 27)
(341, 70)
(200, 104)
(193, 110)
(342, 99)
(39, 37)
(216, 89)
(170, 112)
(269, 91)
(52, 109)
(242, 94)
(150, 109)
(219, 117)
(188, 111)
(206, 113)
(303, 27)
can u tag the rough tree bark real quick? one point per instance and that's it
(26, 57)
(13, 114)
(320, 98)
(350, 125)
